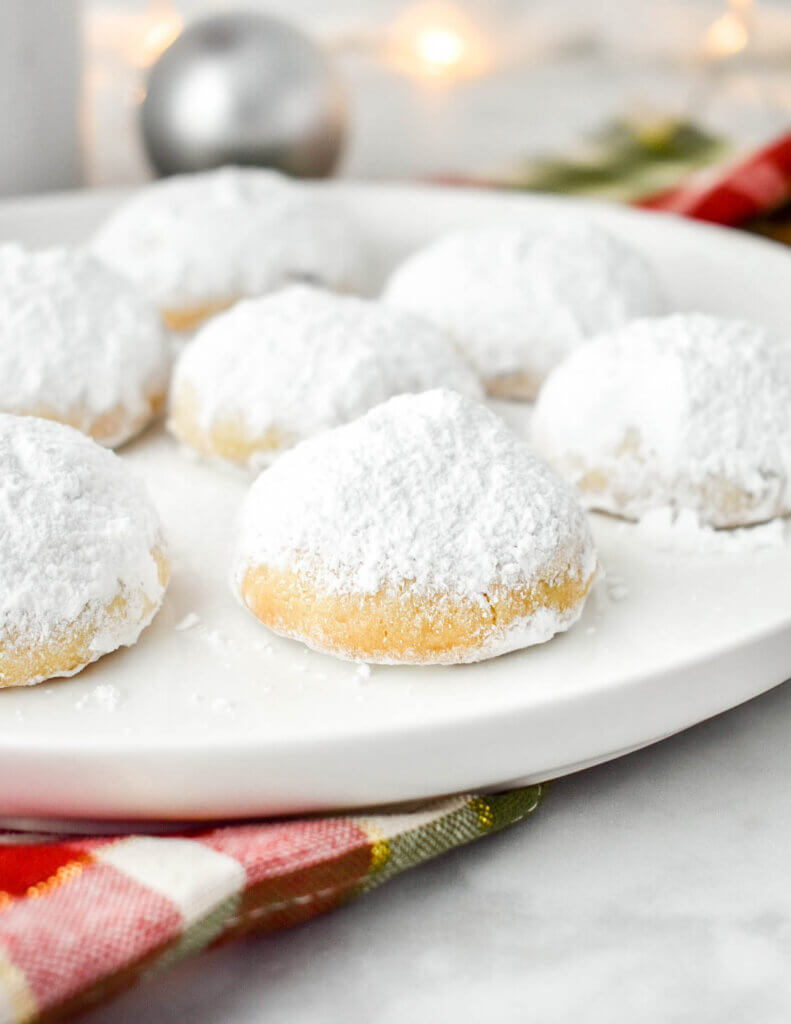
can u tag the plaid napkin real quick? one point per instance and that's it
(749, 191)
(83, 918)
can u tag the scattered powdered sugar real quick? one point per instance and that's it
(517, 299)
(218, 641)
(429, 491)
(304, 360)
(188, 622)
(215, 705)
(104, 697)
(76, 340)
(688, 410)
(681, 530)
(363, 671)
(616, 587)
(76, 530)
(229, 233)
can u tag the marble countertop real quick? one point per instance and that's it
(654, 888)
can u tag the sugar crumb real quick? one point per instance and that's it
(681, 530)
(104, 697)
(187, 622)
(616, 588)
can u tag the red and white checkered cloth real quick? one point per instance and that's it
(736, 193)
(84, 918)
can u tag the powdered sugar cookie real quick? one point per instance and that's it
(272, 371)
(197, 243)
(78, 344)
(82, 560)
(687, 411)
(517, 300)
(424, 532)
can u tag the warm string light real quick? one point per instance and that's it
(440, 49)
(437, 40)
(730, 33)
(164, 27)
(431, 39)
(136, 38)
(119, 46)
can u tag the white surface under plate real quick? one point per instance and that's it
(222, 718)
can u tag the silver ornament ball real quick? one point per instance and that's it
(243, 89)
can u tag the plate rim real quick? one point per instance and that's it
(136, 749)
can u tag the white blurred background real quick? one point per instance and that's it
(473, 87)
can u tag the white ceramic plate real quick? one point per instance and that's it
(225, 719)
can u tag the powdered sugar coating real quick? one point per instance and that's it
(77, 342)
(304, 360)
(686, 411)
(77, 530)
(669, 529)
(518, 300)
(429, 491)
(229, 233)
